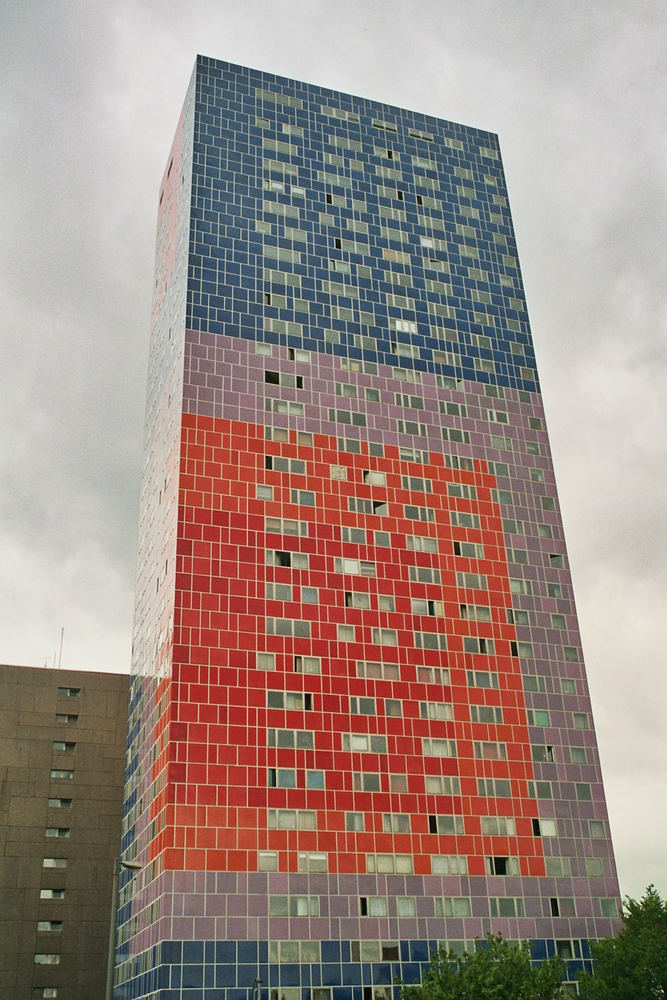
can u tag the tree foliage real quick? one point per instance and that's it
(632, 965)
(497, 970)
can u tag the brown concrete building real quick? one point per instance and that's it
(62, 759)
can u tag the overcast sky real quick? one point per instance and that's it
(90, 95)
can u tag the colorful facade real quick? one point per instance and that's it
(360, 724)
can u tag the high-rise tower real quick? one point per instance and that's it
(359, 723)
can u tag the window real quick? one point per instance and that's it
(345, 633)
(44, 959)
(461, 519)
(494, 788)
(307, 665)
(596, 829)
(354, 822)
(445, 825)
(69, 692)
(475, 612)
(400, 864)
(578, 755)
(304, 497)
(438, 748)
(567, 950)
(377, 671)
(312, 861)
(542, 753)
(436, 710)
(506, 906)
(462, 490)
(45, 926)
(421, 606)
(471, 550)
(66, 718)
(372, 906)
(51, 893)
(568, 686)
(421, 543)
(583, 791)
(357, 600)
(59, 803)
(281, 778)
(366, 782)
(54, 862)
(291, 739)
(453, 906)
(594, 867)
(482, 679)
(449, 864)
(294, 906)
(385, 637)
(398, 783)
(295, 560)
(477, 644)
(405, 906)
(544, 827)
(354, 567)
(540, 789)
(423, 574)
(413, 513)
(557, 867)
(487, 714)
(580, 720)
(386, 603)
(395, 823)
(498, 826)
(61, 832)
(374, 478)
(287, 627)
(292, 819)
(499, 865)
(286, 526)
(609, 907)
(433, 675)
(416, 484)
(441, 784)
(355, 535)
(562, 906)
(430, 640)
(538, 717)
(362, 706)
(474, 581)
(278, 592)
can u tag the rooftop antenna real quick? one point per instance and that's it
(60, 655)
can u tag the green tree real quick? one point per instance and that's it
(497, 970)
(632, 965)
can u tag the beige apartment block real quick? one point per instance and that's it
(62, 761)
